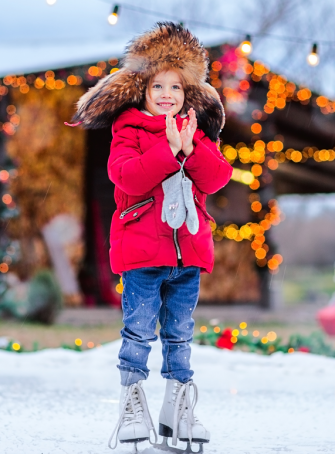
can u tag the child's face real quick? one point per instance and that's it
(165, 93)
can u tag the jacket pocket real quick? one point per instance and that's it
(135, 211)
(140, 242)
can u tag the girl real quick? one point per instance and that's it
(165, 117)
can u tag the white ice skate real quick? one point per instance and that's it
(135, 423)
(177, 419)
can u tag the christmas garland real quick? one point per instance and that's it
(228, 338)
(223, 338)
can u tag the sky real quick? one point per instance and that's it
(35, 36)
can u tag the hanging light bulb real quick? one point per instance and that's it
(246, 46)
(51, 2)
(113, 17)
(313, 57)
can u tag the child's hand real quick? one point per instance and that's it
(172, 134)
(187, 132)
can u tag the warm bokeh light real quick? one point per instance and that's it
(119, 288)
(255, 333)
(256, 206)
(71, 80)
(296, 156)
(273, 164)
(7, 199)
(78, 342)
(257, 170)
(260, 253)
(4, 175)
(216, 65)
(203, 329)
(235, 332)
(216, 329)
(4, 267)
(279, 258)
(242, 176)
(254, 185)
(244, 85)
(246, 47)
(256, 128)
(313, 59)
(113, 61)
(321, 101)
(112, 19)
(272, 336)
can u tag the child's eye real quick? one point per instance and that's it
(157, 86)
(176, 87)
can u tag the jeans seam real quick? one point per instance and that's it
(171, 273)
(168, 362)
(164, 329)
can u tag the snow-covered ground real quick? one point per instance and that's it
(59, 401)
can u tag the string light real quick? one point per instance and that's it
(246, 46)
(113, 17)
(313, 57)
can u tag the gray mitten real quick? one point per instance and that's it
(173, 210)
(192, 220)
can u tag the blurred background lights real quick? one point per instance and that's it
(113, 17)
(242, 176)
(51, 2)
(313, 57)
(246, 46)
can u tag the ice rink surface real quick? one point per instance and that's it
(64, 402)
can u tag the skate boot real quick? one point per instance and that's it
(177, 419)
(135, 423)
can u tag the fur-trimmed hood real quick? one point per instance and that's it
(167, 47)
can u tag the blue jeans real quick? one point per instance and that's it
(170, 295)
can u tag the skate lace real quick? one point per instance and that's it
(184, 408)
(135, 408)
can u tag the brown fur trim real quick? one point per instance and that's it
(108, 98)
(167, 47)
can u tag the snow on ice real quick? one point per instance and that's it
(59, 401)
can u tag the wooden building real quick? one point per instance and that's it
(63, 170)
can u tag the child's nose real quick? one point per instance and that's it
(167, 93)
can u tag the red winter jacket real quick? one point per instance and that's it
(140, 159)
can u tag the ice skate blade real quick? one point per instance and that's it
(134, 440)
(188, 450)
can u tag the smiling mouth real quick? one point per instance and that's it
(165, 104)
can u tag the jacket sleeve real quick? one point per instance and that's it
(206, 166)
(137, 173)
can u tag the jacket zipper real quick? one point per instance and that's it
(176, 244)
(136, 206)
